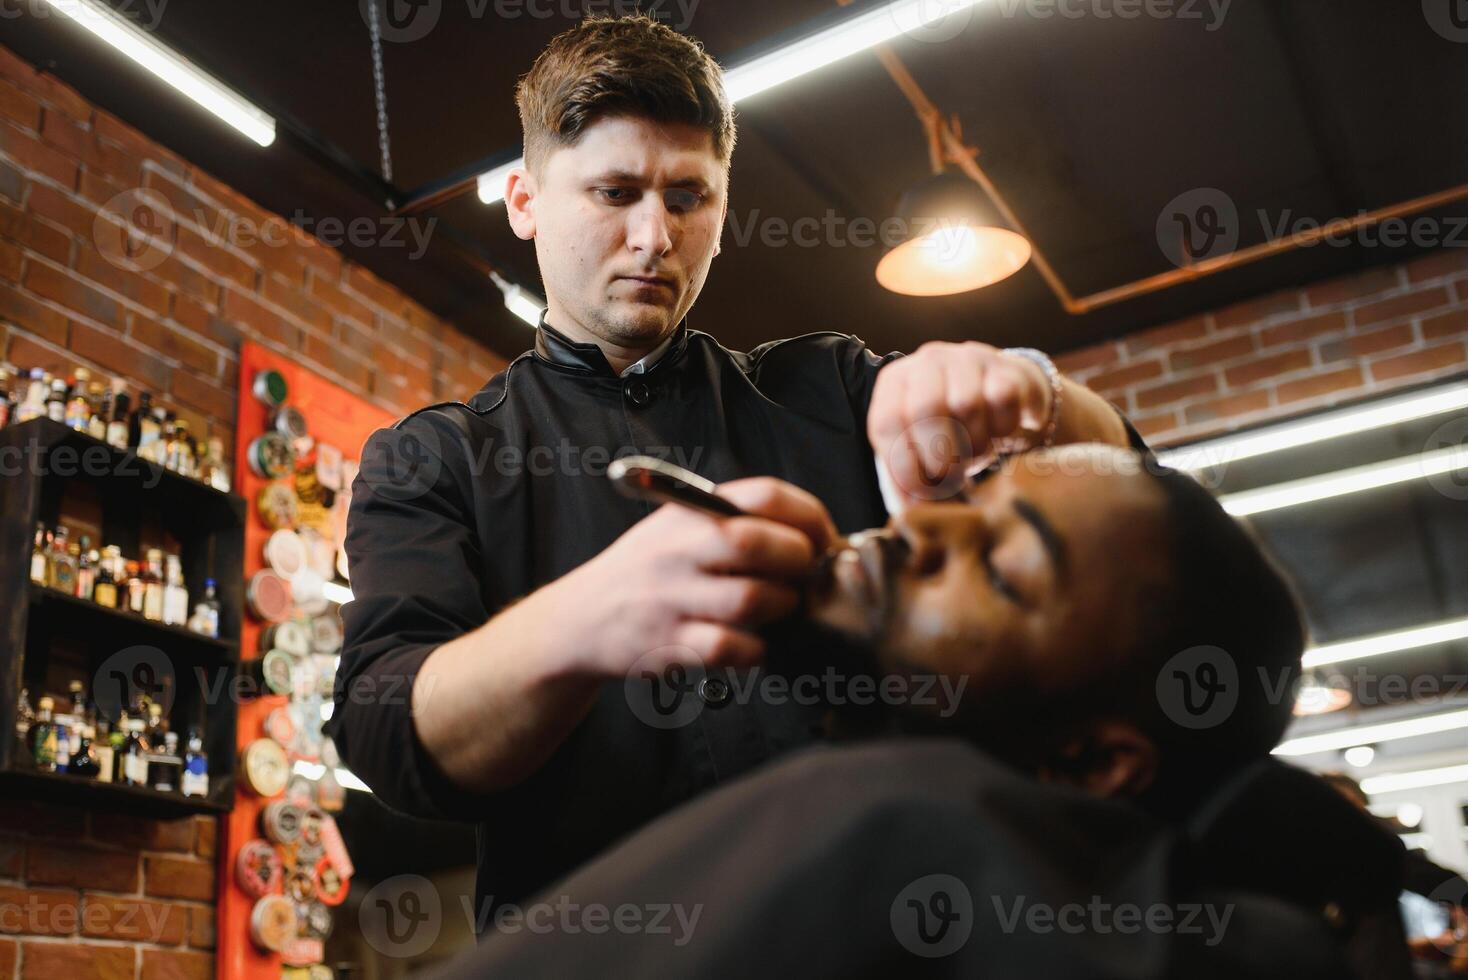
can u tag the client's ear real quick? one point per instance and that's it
(1111, 758)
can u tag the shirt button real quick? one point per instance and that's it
(713, 690)
(638, 393)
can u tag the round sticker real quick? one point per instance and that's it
(258, 869)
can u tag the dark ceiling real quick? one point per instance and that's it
(1090, 125)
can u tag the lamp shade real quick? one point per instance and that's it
(955, 241)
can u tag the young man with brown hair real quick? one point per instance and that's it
(499, 578)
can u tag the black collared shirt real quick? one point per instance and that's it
(462, 508)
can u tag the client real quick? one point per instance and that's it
(1099, 801)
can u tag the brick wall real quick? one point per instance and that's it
(220, 270)
(101, 896)
(84, 896)
(1287, 352)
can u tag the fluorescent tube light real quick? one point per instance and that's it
(337, 593)
(1389, 731)
(1342, 482)
(842, 40)
(1395, 782)
(519, 300)
(157, 58)
(1332, 425)
(1383, 643)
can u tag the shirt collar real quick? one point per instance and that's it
(554, 346)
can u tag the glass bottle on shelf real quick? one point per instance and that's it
(34, 404)
(56, 401)
(106, 755)
(167, 451)
(175, 595)
(150, 435)
(218, 477)
(195, 781)
(86, 568)
(64, 725)
(78, 412)
(153, 586)
(84, 759)
(24, 719)
(104, 590)
(118, 738)
(136, 591)
(43, 736)
(101, 401)
(205, 620)
(8, 393)
(164, 766)
(40, 560)
(157, 724)
(135, 755)
(63, 565)
(141, 415)
(183, 449)
(117, 422)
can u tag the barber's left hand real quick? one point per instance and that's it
(935, 411)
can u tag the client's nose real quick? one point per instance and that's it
(934, 531)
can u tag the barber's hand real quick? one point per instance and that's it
(936, 411)
(685, 587)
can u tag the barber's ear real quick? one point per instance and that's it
(520, 203)
(1111, 759)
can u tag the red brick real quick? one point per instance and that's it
(1176, 391)
(175, 345)
(258, 320)
(1210, 353)
(1257, 309)
(98, 189)
(64, 133)
(66, 289)
(132, 286)
(331, 356)
(19, 107)
(1418, 362)
(419, 345)
(201, 927)
(133, 920)
(1355, 286)
(115, 354)
(56, 93)
(1292, 331)
(39, 912)
(1452, 261)
(9, 957)
(186, 279)
(374, 290)
(215, 399)
(12, 860)
(61, 208)
(191, 314)
(35, 235)
(25, 352)
(289, 297)
(1119, 379)
(338, 302)
(77, 961)
(206, 836)
(1151, 425)
(1227, 407)
(12, 182)
(31, 154)
(1242, 375)
(20, 309)
(1370, 342)
(112, 130)
(75, 866)
(11, 259)
(171, 964)
(170, 877)
(1193, 328)
(1097, 355)
(1401, 306)
(1320, 384)
(216, 256)
(146, 834)
(1448, 325)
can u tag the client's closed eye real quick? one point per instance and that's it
(1001, 583)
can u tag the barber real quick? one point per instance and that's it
(504, 591)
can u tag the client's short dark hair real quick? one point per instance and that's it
(1227, 593)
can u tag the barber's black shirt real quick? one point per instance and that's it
(462, 508)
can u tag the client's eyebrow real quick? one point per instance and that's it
(1051, 541)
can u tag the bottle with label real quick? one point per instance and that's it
(8, 393)
(101, 399)
(84, 762)
(218, 469)
(33, 406)
(141, 415)
(63, 565)
(135, 755)
(118, 738)
(135, 588)
(86, 568)
(104, 589)
(205, 620)
(196, 767)
(102, 751)
(40, 564)
(64, 730)
(56, 401)
(24, 719)
(78, 412)
(175, 594)
(153, 586)
(43, 736)
(117, 427)
(165, 767)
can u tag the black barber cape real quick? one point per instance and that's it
(463, 508)
(920, 857)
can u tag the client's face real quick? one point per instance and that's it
(1030, 585)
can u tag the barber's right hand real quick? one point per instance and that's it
(681, 586)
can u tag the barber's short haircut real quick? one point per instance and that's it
(620, 65)
(1225, 593)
